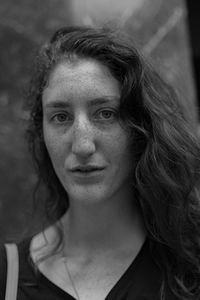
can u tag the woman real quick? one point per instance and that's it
(121, 166)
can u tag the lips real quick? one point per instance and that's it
(87, 174)
(86, 169)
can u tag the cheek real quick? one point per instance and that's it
(123, 157)
(120, 150)
(54, 147)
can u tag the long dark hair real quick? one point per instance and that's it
(166, 150)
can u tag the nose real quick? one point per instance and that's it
(83, 138)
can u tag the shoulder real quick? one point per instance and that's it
(3, 270)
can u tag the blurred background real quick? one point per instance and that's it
(167, 32)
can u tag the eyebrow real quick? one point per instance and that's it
(93, 102)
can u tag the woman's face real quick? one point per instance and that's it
(88, 147)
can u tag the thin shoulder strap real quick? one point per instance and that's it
(12, 271)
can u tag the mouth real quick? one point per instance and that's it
(86, 169)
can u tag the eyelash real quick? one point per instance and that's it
(112, 113)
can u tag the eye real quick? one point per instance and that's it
(62, 117)
(106, 114)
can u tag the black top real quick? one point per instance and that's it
(141, 281)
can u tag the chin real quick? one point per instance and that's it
(89, 196)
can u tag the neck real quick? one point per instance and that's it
(102, 227)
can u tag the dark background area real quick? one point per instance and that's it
(161, 32)
(24, 26)
(194, 33)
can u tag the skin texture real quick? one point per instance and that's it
(79, 131)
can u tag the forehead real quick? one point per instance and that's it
(80, 77)
(78, 67)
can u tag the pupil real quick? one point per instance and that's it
(107, 114)
(61, 118)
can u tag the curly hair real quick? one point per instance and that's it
(166, 147)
